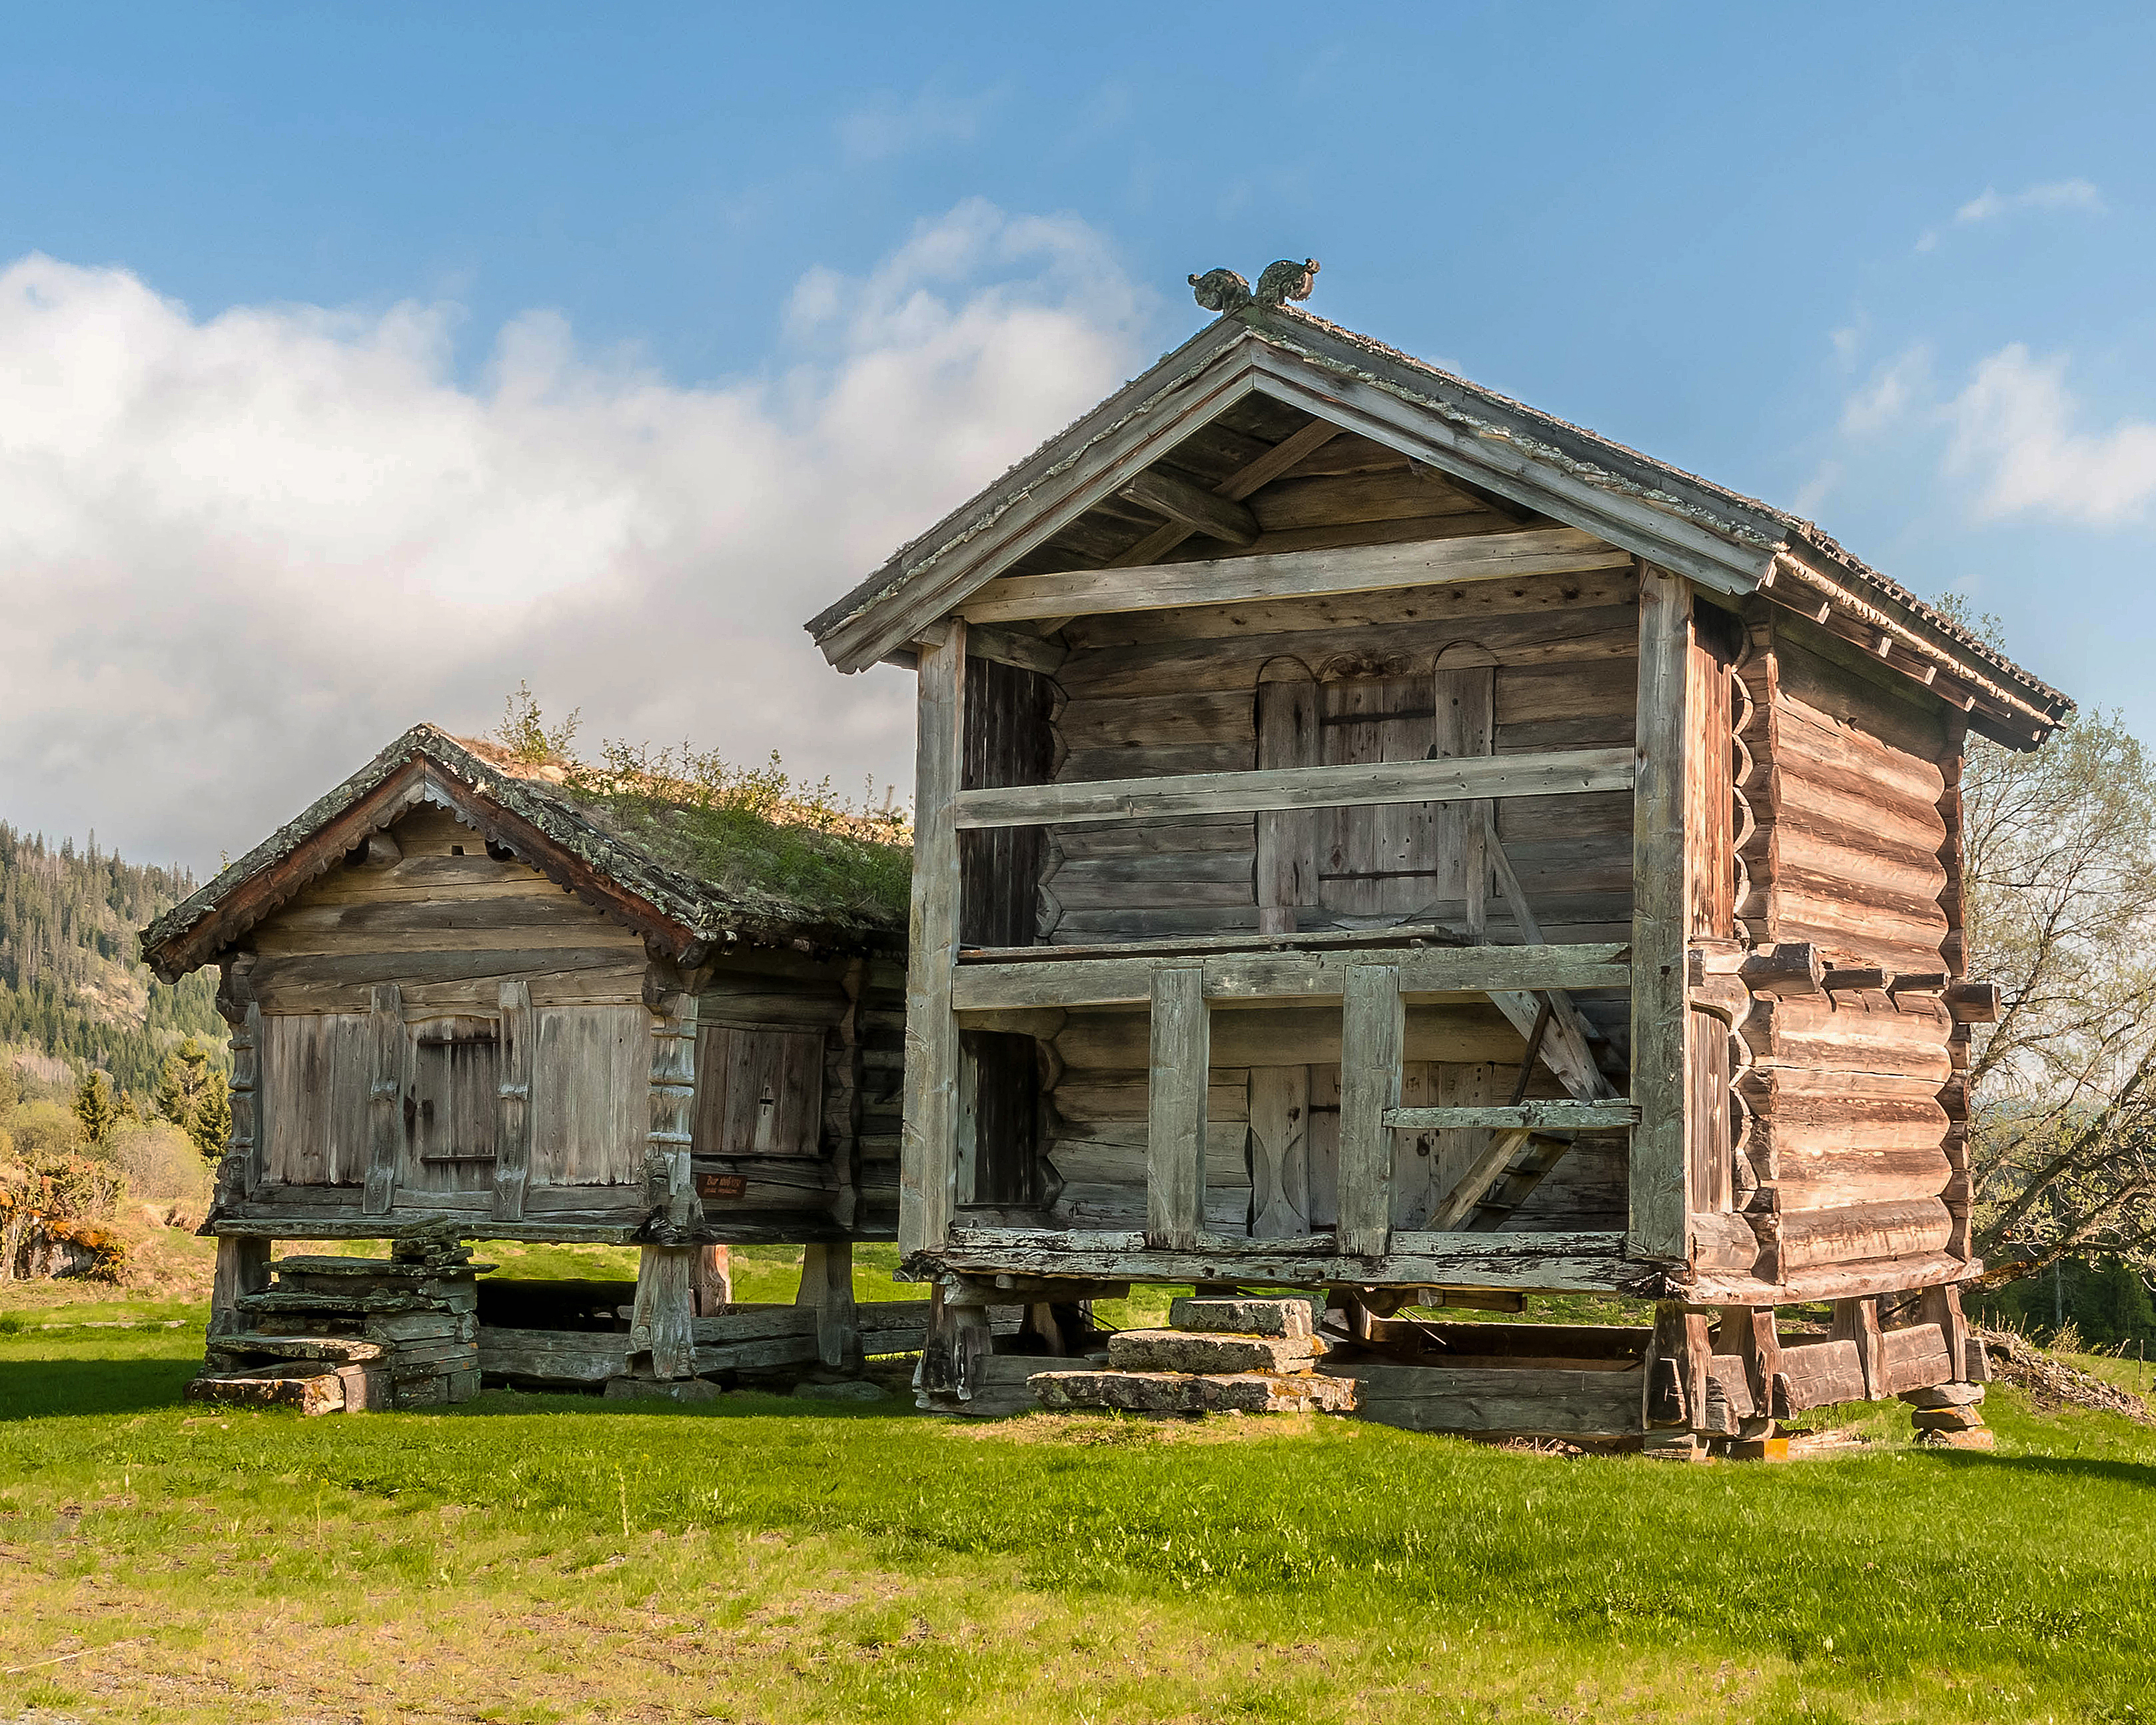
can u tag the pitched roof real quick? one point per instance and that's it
(684, 875)
(1715, 535)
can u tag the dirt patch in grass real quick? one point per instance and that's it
(1136, 1430)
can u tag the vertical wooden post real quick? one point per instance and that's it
(1748, 1331)
(240, 1174)
(669, 996)
(1661, 921)
(512, 1107)
(1679, 1365)
(826, 1284)
(242, 1267)
(928, 1154)
(384, 1098)
(715, 1280)
(1280, 1151)
(662, 1323)
(1465, 702)
(1858, 1321)
(1373, 1047)
(1941, 1306)
(1289, 735)
(1175, 1108)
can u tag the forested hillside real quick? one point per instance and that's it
(71, 982)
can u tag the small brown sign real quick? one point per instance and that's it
(721, 1186)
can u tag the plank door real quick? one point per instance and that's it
(454, 1068)
(761, 1094)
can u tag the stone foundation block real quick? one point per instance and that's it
(1241, 1317)
(1946, 1419)
(1180, 1351)
(1945, 1395)
(1184, 1392)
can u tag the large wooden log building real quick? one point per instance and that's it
(1373, 836)
(469, 1001)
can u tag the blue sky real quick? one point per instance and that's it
(399, 352)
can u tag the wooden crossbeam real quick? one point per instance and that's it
(1197, 509)
(1566, 1116)
(1288, 975)
(1554, 772)
(1291, 574)
(1283, 457)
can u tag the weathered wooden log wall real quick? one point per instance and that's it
(443, 1027)
(799, 1060)
(1501, 666)
(380, 991)
(1847, 787)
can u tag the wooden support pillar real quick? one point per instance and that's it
(1941, 1306)
(1175, 1108)
(1748, 1331)
(512, 1117)
(1678, 1367)
(715, 1280)
(1661, 923)
(385, 1096)
(959, 1337)
(242, 1267)
(1858, 1321)
(1372, 1049)
(669, 996)
(239, 1175)
(928, 1157)
(661, 1331)
(826, 1284)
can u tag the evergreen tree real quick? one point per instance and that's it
(95, 1107)
(181, 1083)
(212, 1125)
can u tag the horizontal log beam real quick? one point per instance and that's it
(1291, 574)
(1253, 977)
(1533, 1263)
(1556, 773)
(1526, 1117)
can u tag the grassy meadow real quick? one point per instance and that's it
(531, 1558)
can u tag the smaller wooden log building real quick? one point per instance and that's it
(1374, 836)
(471, 999)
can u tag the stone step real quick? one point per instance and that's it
(343, 1350)
(1240, 1317)
(1194, 1392)
(1183, 1351)
(316, 1392)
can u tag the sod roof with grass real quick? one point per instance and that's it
(690, 864)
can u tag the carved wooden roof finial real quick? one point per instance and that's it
(1287, 280)
(1220, 291)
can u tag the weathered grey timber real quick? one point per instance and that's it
(1466, 859)
(474, 996)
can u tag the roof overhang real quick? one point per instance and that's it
(1728, 544)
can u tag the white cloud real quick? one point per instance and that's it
(239, 554)
(1889, 394)
(2014, 431)
(1989, 204)
(2053, 194)
(888, 126)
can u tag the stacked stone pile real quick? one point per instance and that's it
(347, 1335)
(1219, 1356)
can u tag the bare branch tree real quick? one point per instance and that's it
(2060, 861)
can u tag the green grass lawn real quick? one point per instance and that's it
(557, 1558)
